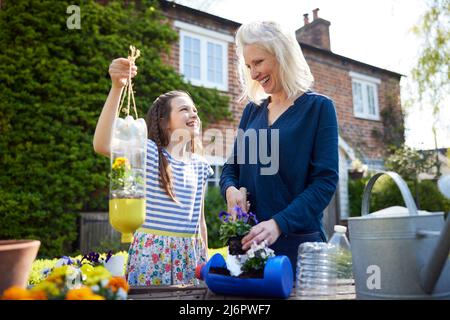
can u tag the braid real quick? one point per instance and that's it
(157, 119)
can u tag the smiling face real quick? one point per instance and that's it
(263, 68)
(183, 116)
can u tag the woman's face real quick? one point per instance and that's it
(183, 116)
(263, 68)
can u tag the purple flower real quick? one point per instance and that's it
(108, 256)
(224, 216)
(253, 217)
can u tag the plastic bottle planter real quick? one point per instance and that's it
(127, 179)
(277, 282)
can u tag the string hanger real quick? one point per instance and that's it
(128, 90)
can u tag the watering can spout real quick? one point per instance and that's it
(432, 270)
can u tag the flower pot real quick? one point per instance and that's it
(355, 175)
(16, 258)
(235, 245)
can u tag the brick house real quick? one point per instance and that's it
(205, 55)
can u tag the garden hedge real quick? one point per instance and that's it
(385, 193)
(54, 82)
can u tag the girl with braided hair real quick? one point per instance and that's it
(173, 239)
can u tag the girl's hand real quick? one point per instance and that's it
(266, 230)
(238, 198)
(119, 71)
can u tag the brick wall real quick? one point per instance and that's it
(332, 79)
(236, 107)
(331, 74)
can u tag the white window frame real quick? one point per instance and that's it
(365, 82)
(205, 36)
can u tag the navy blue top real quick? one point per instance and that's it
(296, 195)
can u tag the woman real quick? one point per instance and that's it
(297, 127)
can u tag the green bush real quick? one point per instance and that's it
(385, 193)
(355, 193)
(214, 204)
(54, 82)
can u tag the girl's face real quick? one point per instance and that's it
(263, 68)
(183, 116)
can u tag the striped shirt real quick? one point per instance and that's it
(163, 215)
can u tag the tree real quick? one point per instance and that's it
(431, 73)
(409, 163)
(54, 81)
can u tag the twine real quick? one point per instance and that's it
(128, 90)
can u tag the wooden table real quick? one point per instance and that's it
(201, 292)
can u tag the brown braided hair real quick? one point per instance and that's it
(157, 119)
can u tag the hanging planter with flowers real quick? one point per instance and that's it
(128, 157)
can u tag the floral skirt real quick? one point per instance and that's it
(163, 260)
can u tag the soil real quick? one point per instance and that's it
(235, 246)
(258, 274)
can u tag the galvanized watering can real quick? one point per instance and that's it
(403, 255)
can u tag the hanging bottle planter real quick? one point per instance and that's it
(127, 177)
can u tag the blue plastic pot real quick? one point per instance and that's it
(277, 282)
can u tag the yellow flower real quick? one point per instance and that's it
(83, 293)
(94, 274)
(50, 287)
(121, 162)
(156, 281)
(117, 282)
(16, 293)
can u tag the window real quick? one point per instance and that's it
(191, 53)
(365, 96)
(204, 56)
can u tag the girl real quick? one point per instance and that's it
(167, 248)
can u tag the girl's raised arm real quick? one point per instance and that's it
(119, 70)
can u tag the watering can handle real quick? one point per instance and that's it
(401, 184)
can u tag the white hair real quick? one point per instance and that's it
(295, 74)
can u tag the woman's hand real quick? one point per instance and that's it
(238, 198)
(119, 71)
(266, 230)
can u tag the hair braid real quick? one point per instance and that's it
(157, 120)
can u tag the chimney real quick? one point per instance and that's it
(305, 19)
(315, 33)
(316, 14)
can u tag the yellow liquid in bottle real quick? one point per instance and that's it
(126, 215)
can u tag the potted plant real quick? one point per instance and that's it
(257, 257)
(249, 265)
(357, 169)
(233, 229)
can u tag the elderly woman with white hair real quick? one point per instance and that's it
(290, 200)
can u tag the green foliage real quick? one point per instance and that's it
(257, 257)
(355, 193)
(385, 193)
(392, 133)
(408, 163)
(432, 70)
(235, 227)
(54, 84)
(214, 203)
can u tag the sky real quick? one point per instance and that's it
(376, 32)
